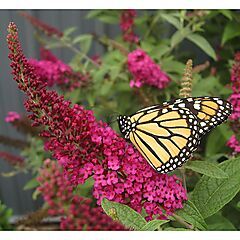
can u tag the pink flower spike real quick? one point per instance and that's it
(86, 147)
(127, 26)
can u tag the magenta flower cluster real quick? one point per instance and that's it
(77, 213)
(86, 147)
(145, 71)
(127, 26)
(12, 116)
(235, 100)
(53, 71)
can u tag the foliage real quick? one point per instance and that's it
(170, 38)
(5, 214)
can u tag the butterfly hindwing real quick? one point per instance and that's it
(210, 111)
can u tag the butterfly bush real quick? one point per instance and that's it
(127, 26)
(145, 71)
(235, 100)
(55, 72)
(87, 148)
(76, 211)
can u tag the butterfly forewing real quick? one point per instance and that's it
(165, 137)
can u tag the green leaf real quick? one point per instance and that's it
(171, 19)
(160, 50)
(192, 215)
(106, 88)
(35, 194)
(69, 31)
(220, 135)
(176, 229)
(227, 13)
(93, 13)
(206, 86)
(201, 42)
(111, 19)
(179, 35)
(212, 194)
(153, 225)
(114, 71)
(33, 183)
(171, 66)
(99, 75)
(231, 31)
(214, 158)
(85, 189)
(127, 216)
(206, 168)
(219, 222)
(85, 41)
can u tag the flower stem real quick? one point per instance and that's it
(182, 221)
(77, 51)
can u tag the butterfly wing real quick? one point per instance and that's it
(166, 137)
(210, 111)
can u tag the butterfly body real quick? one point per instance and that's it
(166, 135)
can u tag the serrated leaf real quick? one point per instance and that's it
(153, 225)
(33, 183)
(126, 215)
(211, 194)
(219, 222)
(202, 43)
(231, 31)
(192, 215)
(206, 168)
(171, 19)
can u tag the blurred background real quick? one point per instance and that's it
(11, 98)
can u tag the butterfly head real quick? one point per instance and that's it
(124, 124)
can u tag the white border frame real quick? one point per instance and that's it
(120, 4)
(110, 235)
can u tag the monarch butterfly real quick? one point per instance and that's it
(166, 135)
